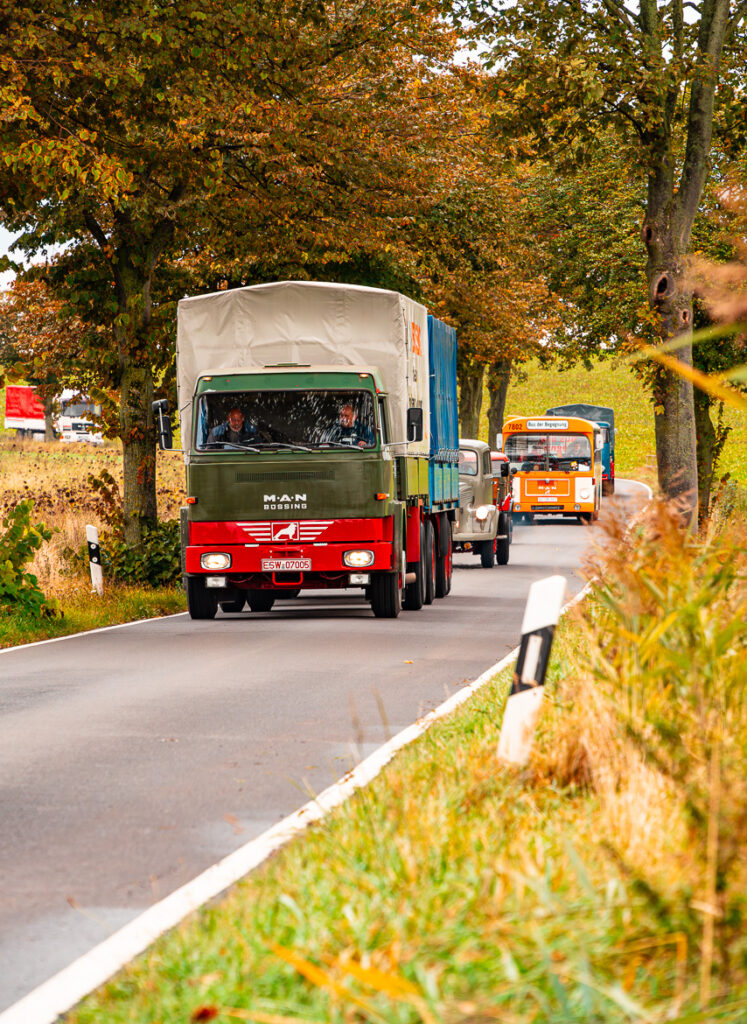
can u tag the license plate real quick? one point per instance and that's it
(286, 565)
(549, 498)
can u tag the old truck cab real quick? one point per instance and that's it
(481, 526)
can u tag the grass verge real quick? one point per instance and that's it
(603, 883)
(83, 611)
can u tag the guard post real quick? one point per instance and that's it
(94, 560)
(541, 616)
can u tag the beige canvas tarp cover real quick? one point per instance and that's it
(307, 322)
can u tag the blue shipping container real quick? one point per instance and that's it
(444, 425)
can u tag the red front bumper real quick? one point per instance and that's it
(322, 542)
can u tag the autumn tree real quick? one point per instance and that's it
(143, 135)
(664, 76)
(39, 344)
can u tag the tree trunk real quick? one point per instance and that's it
(49, 432)
(706, 438)
(674, 412)
(138, 452)
(470, 400)
(499, 375)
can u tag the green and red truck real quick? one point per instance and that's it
(320, 436)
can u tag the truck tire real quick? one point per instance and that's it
(430, 563)
(502, 543)
(236, 605)
(201, 602)
(487, 554)
(260, 600)
(443, 562)
(608, 487)
(386, 595)
(415, 591)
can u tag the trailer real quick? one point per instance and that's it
(320, 434)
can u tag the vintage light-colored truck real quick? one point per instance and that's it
(481, 525)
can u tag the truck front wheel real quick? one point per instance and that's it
(201, 602)
(502, 542)
(386, 596)
(487, 553)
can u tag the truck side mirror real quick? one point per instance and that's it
(414, 424)
(499, 441)
(505, 469)
(165, 433)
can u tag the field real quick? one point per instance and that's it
(56, 477)
(610, 382)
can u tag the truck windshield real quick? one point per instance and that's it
(467, 462)
(290, 419)
(528, 452)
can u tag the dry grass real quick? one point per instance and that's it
(651, 717)
(56, 476)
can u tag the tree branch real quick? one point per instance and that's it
(739, 12)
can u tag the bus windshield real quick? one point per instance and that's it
(286, 419)
(527, 452)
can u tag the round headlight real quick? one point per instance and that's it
(585, 494)
(215, 560)
(358, 559)
(482, 512)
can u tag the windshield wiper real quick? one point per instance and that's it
(341, 444)
(229, 444)
(285, 444)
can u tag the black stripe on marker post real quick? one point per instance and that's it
(533, 659)
(94, 553)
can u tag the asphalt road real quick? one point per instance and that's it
(132, 759)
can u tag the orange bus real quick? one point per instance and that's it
(556, 465)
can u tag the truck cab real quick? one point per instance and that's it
(481, 526)
(318, 424)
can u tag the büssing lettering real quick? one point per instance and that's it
(284, 502)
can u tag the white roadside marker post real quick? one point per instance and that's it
(94, 560)
(523, 705)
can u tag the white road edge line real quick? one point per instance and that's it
(63, 990)
(89, 632)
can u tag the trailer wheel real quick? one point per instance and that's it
(386, 595)
(443, 562)
(201, 602)
(502, 543)
(415, 591)
(487, 553)
(260, 600)
(430, 563)
(233, 606)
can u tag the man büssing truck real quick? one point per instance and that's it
(320, 436)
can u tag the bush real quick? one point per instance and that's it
(19, 590)
(157, 563)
